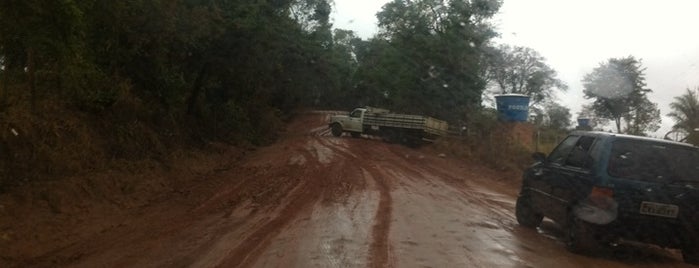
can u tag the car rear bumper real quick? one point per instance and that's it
(670, 233)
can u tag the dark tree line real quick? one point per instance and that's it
(237, 66)
(83, 83)
(232, 62)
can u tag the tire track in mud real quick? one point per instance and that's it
(380, 246)
(458, 183)
(379, 249)
(302, 197)
(498, 207)
(319, 154)
(416, 178)
(361, 155)
(403, 169)
(246, 253)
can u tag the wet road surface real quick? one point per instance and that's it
(313, 200)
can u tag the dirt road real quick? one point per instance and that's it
(313, 200)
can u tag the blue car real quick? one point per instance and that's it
(603, 187)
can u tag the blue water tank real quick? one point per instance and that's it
(583, 122)
(512, 107)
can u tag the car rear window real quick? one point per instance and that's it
(653, 161)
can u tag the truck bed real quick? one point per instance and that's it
(425, 123)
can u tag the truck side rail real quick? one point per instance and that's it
(427, 124)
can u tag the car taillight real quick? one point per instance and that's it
(602, 197)
(602, 191)
(599, 207)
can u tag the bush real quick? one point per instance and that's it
(503, 146)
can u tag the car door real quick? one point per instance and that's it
(541, 180)
(572, 179)
(354, 122)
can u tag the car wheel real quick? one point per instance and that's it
(526, 215)
(690, 254)
(336, 130)
(580, 236)
(355, 134)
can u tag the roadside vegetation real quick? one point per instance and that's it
(685, 112)
(87, 86)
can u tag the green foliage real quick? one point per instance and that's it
(685, 112)
(642, 118)
(427, 57)
(484, 119)
(145, 77)
(558, 116)
(171, 54)
(596, 122)
(522, 70)
(618, 90)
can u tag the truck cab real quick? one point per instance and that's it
(352, 123)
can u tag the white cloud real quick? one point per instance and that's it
(357, 15)
(575, 36)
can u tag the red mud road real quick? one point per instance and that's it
(313, 200)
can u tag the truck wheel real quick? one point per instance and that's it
(526, 216)
(690, 254)
(580, 236)
(355, 134)
(336, 129)
(401, 137)
(389, 136)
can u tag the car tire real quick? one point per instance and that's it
(355, 134)
(526, 215)
(336, 130)
(690, 254)
(580, 236)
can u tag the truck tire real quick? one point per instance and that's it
(690, 254)
(388, 135)
(402, 137)
(336, 130)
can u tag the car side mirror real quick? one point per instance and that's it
(539, 157)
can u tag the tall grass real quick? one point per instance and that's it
(499, 145)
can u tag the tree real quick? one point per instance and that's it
(619, 92)
(558, 116)
(685, 112)
(522, 70)
(595, 121)
(427, 56)
(201, 59)
(642, 118)
(45, 42)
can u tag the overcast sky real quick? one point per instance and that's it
(575, 36)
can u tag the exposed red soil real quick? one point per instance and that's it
(310, 200)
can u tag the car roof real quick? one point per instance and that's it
(626, 136)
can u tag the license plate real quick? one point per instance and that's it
(658, 209)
